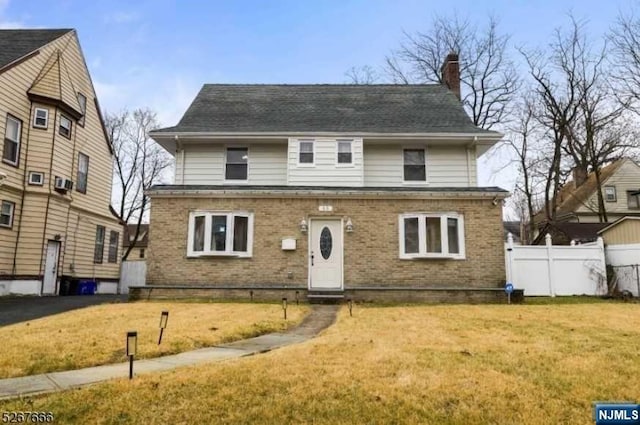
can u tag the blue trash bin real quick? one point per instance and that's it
(87, 287)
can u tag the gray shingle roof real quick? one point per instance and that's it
(237, 108)
(15, 44)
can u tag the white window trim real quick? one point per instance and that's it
(63, 117)
(313, 144)
(46, 118)
(426, 174)
(344, 164)
(11, 215)
(17, 142)
(224, 171)
(615, 194)
(422, 240)
(36, 173)
(207, 252)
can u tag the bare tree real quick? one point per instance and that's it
(579, 109)
(524, 140)
(625, 40)
(488, 78)
(362, 75)
(139, 163)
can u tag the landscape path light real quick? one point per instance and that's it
(164, 317)
(132, 348)
(284, 307)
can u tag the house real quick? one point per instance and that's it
(55, 224)
(327, 191)
(624, 231)
(567, 232)
(138, 252)
(578, 198)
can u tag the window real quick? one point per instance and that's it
(12, 133)
(305, 152)
(610, 193)
(345, 155)
(414, 165)
(98, 252)
(237, 161)
(220, 233)
(36, 178)
(424, 235)
(41, 118)
(633, 199)
(114, 238)
(6, 213)
(141, 254)
(82, 100)
(83, 173)
(65, 127)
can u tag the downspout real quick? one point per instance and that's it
(46, 212)
(22, 196)
(469, 159)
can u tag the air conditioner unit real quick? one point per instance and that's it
(63, 184)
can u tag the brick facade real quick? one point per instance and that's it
(371, 256)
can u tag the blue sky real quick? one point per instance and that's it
(157, 53)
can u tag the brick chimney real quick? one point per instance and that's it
(579, 176)
(450, 72)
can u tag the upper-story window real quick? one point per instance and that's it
(12, 133)
(83, 173)
(305, 152)
(237, 161)
(610, 194)
(633, 199)
(82, 100)
(414, 165)
(41, 118)
(6, 213)
(65, 127)
(345, 152)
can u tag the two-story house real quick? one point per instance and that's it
(55, 168)
(345, 190)
(577, 215)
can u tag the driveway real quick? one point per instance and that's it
(21, 309)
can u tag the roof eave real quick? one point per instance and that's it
(169, 140)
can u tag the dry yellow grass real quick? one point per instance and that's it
(427, 364)
(96, 335)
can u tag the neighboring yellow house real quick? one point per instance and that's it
(56, 223)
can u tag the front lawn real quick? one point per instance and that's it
(500, 364)
(96, 335)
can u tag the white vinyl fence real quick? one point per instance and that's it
(557, 270)
(132, 273)
(625, 262)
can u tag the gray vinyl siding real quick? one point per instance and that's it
(445, 166)
(326, 171)
(205, 164)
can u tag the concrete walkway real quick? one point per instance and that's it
(321, 317)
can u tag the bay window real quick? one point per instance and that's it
(220, 233)
(431, 235)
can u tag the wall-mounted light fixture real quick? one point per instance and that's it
(348, 226)
(57, 236)
(303, 226)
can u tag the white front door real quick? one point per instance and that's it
(51, 268)
(325, 254)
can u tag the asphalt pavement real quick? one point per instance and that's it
(22, 309)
